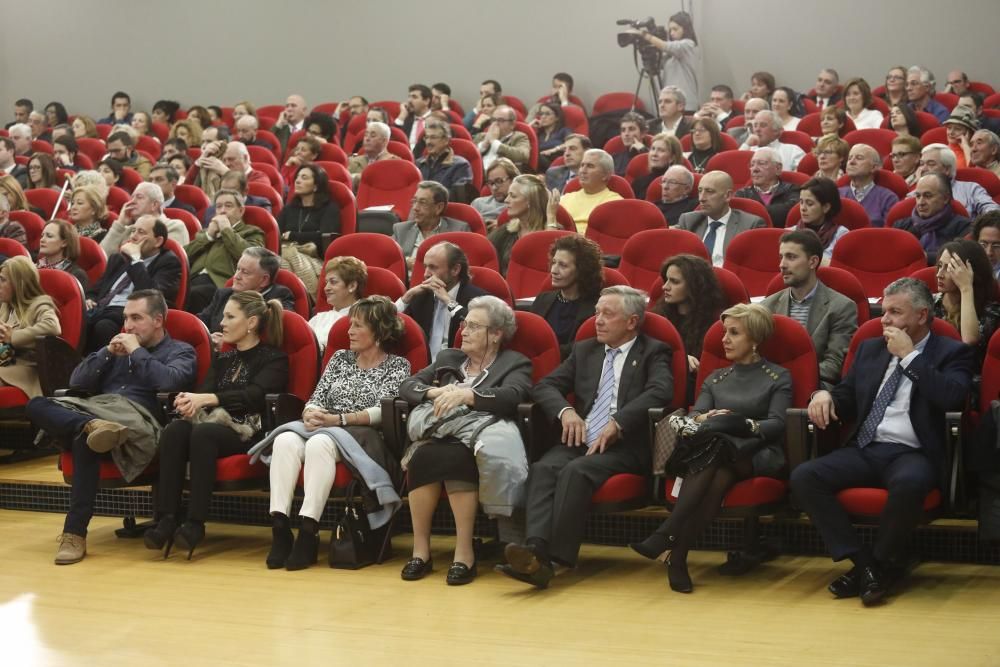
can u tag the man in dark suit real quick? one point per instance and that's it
(439, 303)
(671, 105)
(830, 317)
(719, 106)
(827, 91)
(558, 176)
(716, 223)
(256, 270)
(616, 378)
(8, 165)
(141, 263)
(899, 388)
(766, 186)
(167, 178)
(415, 112)
(291, 120)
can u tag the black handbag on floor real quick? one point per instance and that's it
(354, 544)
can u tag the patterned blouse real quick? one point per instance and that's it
(346, 388)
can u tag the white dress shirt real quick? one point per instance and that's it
(719, 249)
(896, 425)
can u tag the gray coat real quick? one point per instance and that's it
(739, 221)
(833, 319)
(405, 233)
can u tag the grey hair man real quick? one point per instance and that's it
(920, 89)
(596, 170)
(670, 106)
(939, 159)
(862, 164)
(768, 127)
(147, 199)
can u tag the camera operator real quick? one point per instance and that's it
(683, 61)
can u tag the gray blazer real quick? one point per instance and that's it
(739, 221)
(405, 233)
(833, 319)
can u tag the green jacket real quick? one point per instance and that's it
(218, 256)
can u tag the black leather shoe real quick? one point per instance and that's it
(846, 585)
(678, 577)
(460, 574)
(654, 547)
(523, 558)
(872, 585)
(158, 537)
(540, 578)
(417, 568)
(305, 551)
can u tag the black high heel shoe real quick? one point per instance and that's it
(677, 575)
(188, 536)
(655, 547)
(161, 536)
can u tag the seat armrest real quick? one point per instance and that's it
(394, 413)
(56, 361)
(282, 408)
(655, 415)
(71, 392)
(954, 484)
(800, 437)
(538, 435)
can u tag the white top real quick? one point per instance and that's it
(790, 153)
(868, 119)
(792, 123)
(321, 323)
(896, 425)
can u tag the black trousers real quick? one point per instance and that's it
(202, 445)
(103, 324)
(560, 485)
(905, 472)
(201, 291)
(67, 425)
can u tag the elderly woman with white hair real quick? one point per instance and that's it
(465, 437)
(596, 170)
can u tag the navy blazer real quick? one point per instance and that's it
(941, 376)
(163, 273)
(421, 309)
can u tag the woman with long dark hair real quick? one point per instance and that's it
(680, 67)
(967, 293)
(307, 223)
(819, 204)
(903, 121)
(550, 127)
(692, 300)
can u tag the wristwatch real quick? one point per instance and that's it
(452, 305)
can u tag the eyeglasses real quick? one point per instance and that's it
(895, 77)
(698, 128)
(545, 113)
(421, 202)
(988, 246)
(900, 156)
(955, 82)
(674, 184)
(503, 120)
(826, 152)
(433, 137)
(472, 327)
(497, 182)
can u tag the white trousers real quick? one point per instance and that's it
(289, 452)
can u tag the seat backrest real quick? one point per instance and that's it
(658, 327)
(176, 248)
(752, 256)
(298, 289)
(838, 280)
(117, 198)
(613, 223)
(344, 196)
(529, 262)
(93, 148)
(794, 177)
(466, 214)
(873, 329)
(67, 293)
(46, 199)
(262, 155)
(733, 289)
(465, 148)
(808, 165)
(645, 252)
(521, 126)
(796, 138)
(928, 276)
(389, 182)
(399, 148)
(194, 197)
(491, 282)
(852, 215)
(985, 178)
(616, 101)
(904, 209)
(303, 354)
(478, 249)
(33, 226)
(372, 249)
(935, 135)
(990, 388)
(187, 328)
(336, 172)
(753, 207)
(190, 221)
(412, 345)
(258, 189)
(92, 259)
(790, 346)
(273, 175)
(12, 248)
(330, 152)
(734, 163)
(877, 256)
(575, 118)
(879, 139)
(258, 217)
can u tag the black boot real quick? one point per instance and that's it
(281, 542)
(305, 551)
(677, 574)
(161, 536)
(190, 535)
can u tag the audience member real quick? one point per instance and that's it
(427, 219)
(827, 92)
(920, 93)
(766, 186)
(121, 110)
(862, 163)
(42, 172)
(308, 223)
(934, 222)
(119, 418)
(898, 443)
(59, 248)
(167, 179)
(966, 294)
(501, 139)
(498, 179)
(188, 131)
(819, 206)
(147, 199)
(20, 134)
(664, 152)
(415, 112)
(165, 112)
(831, 156)
(596, 169)
(895, 86)
(88, 213)
(26, 313)
(833, 120)
(475, 453)
(632, 134)
(745, 402)
(984, 151)
(246, 132)
(556, 177)
(614, 438)
(762, 85)
(343, 286)
(986, 232)
(577, 279)
(676, 198)
(10, 229)
(121, 147)
(719, 106)
(858, 102)
(530, 210)
(783, 105)
(39, 128)
(939, 159)
(905, 158)
(376, 138)
(960, 126)
(830, 317)
(767, 131)
(8, 165)
(439, 163)
(706, 141)
(291, 120)
(552, 132)
(903, 121)
(671, 120)
(714, 192)
(237, 180)
(22, 108)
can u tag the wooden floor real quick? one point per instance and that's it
(123, 605)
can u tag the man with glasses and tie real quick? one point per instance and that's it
(986, 232)
(502, 140)
(767, 187)
(426, 219)
(897, 391)
(716, 223)
(616, 377)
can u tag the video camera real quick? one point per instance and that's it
(626, 39)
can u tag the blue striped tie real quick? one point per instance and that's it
(713, 228)
(600, 413)
(867, 431)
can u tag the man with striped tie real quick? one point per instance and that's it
(616, 377)
(898, 390)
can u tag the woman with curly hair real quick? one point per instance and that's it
(577, 279)
(692, 300)
(188, 130)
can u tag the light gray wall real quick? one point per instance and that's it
(217, 52)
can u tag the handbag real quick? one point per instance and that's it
(7, 354)
(354, 544)
(301, 259)
(730, 434)
(665, 441)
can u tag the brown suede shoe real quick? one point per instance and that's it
(72, 549)
(103, 436)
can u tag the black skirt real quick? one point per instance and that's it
(442, 461)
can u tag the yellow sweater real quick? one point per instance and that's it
(579, 205)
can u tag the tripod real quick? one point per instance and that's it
(652, 63)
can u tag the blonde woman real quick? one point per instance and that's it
(26, 312)
(530, 209)
(89, 212)
(189, 131)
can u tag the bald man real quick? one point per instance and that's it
(716, 223)
(862, 163)
(246, 132)
(291, 119)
